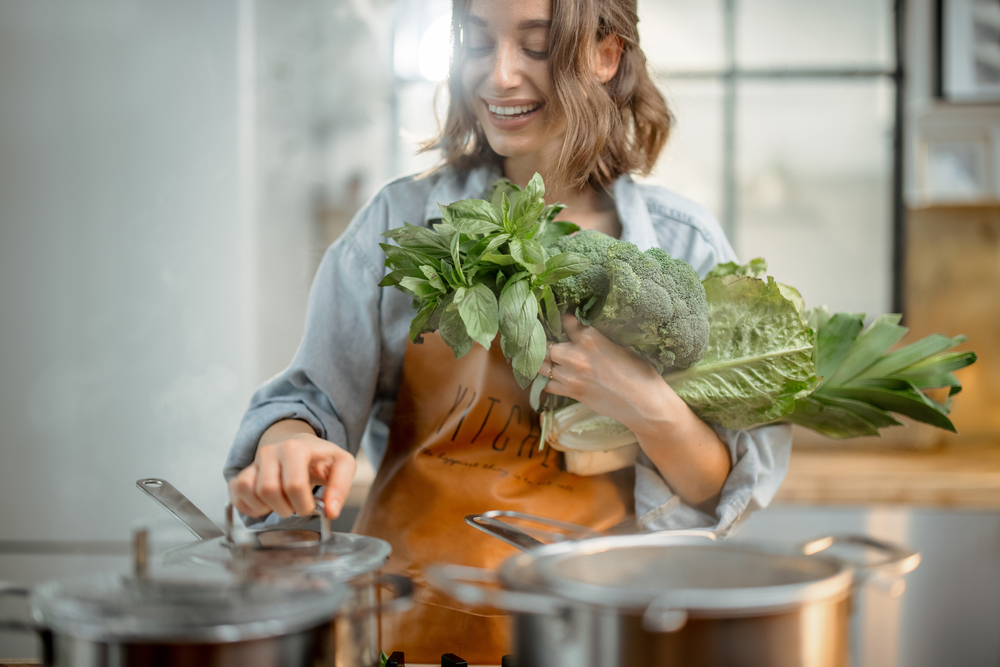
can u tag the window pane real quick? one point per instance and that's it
(824, 33)
(814, 163)
(681, 34)
(691, 163)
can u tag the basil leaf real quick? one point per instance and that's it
(468, 211)
(554, 230)
(505, 210)
(564, 265)
(485, 246)
(500, 260)
(529, 254)
(419, 287)
(518, 309)
(479, 311)
(433, 278)
(453, 332)
(553, 318)
(393, 277)
(398, 258)
(422, 239)
(456, 255)
(550, 212)
(528, 361)
(419, 324)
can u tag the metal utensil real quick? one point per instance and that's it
(175, 502)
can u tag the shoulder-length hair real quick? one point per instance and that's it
(612, 128)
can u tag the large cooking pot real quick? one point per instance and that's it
(663, 599)
(304, 547)
(163, 616)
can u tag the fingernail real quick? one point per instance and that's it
(333, 509)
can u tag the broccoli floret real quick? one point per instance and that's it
(647, 301)
(584, 289)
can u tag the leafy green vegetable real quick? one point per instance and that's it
(864, 382)
(486, 268)
(759, 357)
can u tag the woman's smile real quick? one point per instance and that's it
(512, 114)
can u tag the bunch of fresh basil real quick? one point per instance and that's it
(485, 268)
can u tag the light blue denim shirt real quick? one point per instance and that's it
(345, 375)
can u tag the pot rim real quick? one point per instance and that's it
(542, 571)
(108, 608)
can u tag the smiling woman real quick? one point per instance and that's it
(582, 86)
(559, 88)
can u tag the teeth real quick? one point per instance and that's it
(511, 111)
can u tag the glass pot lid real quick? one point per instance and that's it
(632, 572)
(303, 544)
(340, 556)
(185, 604)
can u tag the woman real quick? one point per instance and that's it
(554, 86)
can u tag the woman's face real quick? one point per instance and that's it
(507, 78)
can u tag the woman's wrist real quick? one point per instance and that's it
(659, 411)
(282, 430)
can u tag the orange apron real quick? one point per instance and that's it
(464, 440)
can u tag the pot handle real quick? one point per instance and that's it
(402, 598)
(17, 626)
(175, 502)
(896, 560)
(489, 523)
(465, 584)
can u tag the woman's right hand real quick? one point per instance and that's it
(291, 460)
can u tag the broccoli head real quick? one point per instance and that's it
(647, 301)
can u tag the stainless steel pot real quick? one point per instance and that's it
(302, 548)
(665, 599)
(182, 616)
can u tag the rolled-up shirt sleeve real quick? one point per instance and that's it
(759, 461)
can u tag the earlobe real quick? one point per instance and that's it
(609, 56)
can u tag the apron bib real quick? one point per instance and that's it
(464, 440)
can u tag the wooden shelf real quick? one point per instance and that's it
(960, 477)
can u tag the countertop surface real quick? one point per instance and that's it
(959, 477)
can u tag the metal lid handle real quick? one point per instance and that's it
(896, 561)
(489, 523)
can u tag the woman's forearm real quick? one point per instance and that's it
(687, 452)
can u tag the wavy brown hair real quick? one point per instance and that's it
(612, 128)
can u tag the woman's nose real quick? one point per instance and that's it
(506, 72)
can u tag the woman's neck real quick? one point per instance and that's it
(587, 207)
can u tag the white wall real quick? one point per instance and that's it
(125, 267)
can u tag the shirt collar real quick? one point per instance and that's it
(637, 225)
(455, 184)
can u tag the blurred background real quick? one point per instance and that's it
(171, 173)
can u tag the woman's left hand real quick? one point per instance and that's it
(606, 377)
(618, 383)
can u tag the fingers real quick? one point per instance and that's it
(572, 326)
(268, 487)
(243, 495)
(295, 478)
(338, 483)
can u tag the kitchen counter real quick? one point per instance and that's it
(966, 477)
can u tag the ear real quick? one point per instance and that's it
(609, 55)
